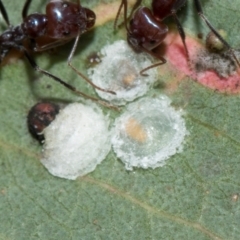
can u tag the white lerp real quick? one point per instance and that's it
(148, 133)
(119, 71)
(76, 141)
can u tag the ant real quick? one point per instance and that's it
(146, 30)
(62, 22)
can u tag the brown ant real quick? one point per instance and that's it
(62, 22)
(146, 30)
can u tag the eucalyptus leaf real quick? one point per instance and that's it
(194, 196)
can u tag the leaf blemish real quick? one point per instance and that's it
(216, 71)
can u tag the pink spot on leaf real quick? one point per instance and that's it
(176, 56)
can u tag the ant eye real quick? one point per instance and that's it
(131, 22)
(66, 33)
(152, 42)
(65, 4)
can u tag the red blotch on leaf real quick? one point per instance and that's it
(176, 56)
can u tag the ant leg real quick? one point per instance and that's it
(69, 61)
(4, 13)
(38, 69)
(118, 13)
(181, 32)
(124, 3)
(136, 5)
(154, 65)
(25, 8)
(125, 15)
(200, 13)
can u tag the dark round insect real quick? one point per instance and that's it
(146, 29)
(213, 44)
(62, 22)
(39, 117)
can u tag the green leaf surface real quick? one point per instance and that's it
(194, 196)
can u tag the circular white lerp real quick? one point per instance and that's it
(76, 141)
(148, 133)
(119, 71)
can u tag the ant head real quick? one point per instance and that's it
(145, 31)
(66, 20)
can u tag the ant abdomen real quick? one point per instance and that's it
(66, 20)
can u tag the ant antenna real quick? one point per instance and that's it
(4, 13)
(153, 65)
(117, 16)
(136, 5)
(25, 9)
(69, 61)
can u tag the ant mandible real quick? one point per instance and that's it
(62, 22)
(146, 30)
